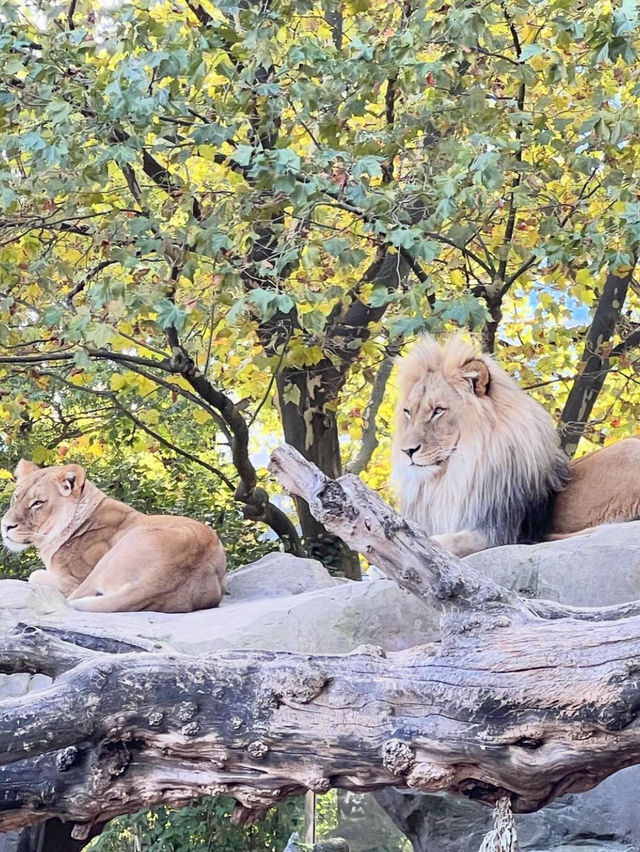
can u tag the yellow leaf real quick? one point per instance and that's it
(201, 416)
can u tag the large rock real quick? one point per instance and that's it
(276, 575)
(277, 603)
(594, 569)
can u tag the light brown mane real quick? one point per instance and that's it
(489, 462)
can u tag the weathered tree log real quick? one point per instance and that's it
(521, 699)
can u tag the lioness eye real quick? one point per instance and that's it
(407, 413)
(437, 411)
(36, 503)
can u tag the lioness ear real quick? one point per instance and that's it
(70, 479)
(477, 374)
(24, 468)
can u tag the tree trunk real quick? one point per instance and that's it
(525, 700)
(312, 428)
(594, 364)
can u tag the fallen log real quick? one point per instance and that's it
(520, 699)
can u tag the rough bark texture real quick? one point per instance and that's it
(518, 699)
(594, 364)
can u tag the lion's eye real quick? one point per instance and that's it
(437, 411)
(407, 413)
(36, 504)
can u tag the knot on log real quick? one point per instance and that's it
(186, 711)
(191, 729)
(299, 682)
(317, 783)
(451, 586)
(112, 760)
(397, 756)
(429, 777)
(155, 718)
(258, 749)
(65, 758)
(334, 500)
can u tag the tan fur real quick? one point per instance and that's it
(604, 488)
(476, 461)
(105, 556)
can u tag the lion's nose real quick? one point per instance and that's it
(411, 451)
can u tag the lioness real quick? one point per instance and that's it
(105, 556)
(476, 461)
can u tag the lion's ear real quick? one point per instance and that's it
(24, 468)
(70, 479)
(476, 373)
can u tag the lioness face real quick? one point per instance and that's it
(42, 505)
(428, 420)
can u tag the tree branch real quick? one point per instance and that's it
(126, 412)
(257, 505)
(594, 364)
(360, 517)
(369, 440)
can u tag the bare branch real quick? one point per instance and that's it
(369, 433)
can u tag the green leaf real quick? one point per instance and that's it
(380, 297)
(530, 50)
(82, 360)
(285, 303)
(243, 154)
(369, 165)
(336, 246)
(170, 314)
(264, 301)
(237, 309)
(291, 393)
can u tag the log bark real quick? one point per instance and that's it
(520, 698)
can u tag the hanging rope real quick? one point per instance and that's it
(503, 837)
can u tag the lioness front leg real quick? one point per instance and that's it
(64, 585)
(463, 543)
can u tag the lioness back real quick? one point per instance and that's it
(106, 556)
(604, 489)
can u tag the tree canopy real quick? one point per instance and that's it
(222, 220)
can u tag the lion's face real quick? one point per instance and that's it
(434, 404)
(43, 504)
(428, 423)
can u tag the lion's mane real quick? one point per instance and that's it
(507, 465)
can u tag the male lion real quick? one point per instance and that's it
(105, 556)
(476, 461)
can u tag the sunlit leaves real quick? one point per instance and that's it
(206, 179)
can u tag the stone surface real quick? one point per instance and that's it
(276, 575)
(333, 619)
(594, 569)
